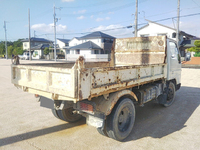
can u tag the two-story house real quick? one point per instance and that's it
(90, 45)
(93, 43)
(37, 46)
(62, 43)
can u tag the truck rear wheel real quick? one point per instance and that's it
(119, 123)
(102, 130)
(170, 95)
(54, 111)
(67, 115)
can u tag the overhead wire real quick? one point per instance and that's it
(125, 27)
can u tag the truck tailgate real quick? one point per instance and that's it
(53, 82)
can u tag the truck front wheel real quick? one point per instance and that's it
(170, 95)
(120, 122)
(68, 115)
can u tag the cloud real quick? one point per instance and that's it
(110, 13)
(113, 30)
(102, 19)
(81, 17)
(92, 16)
(67, 0)
(99, 19)
(79, 12)
(48, 28)
(107, 18)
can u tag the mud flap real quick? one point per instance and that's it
(162, 99)
(46, 102)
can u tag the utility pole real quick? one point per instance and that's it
(178, 16)
(34, 33)
(136, 17)
(55, 20)
(29, 34)
(6, 40)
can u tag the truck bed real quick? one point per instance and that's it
(134, 61)
(66, 82)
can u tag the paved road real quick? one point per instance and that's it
(24, 125)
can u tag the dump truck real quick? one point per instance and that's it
(141, 69)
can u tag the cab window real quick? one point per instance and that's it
(174, 51)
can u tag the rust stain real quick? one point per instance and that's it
(80, 94)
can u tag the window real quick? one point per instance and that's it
(96, 51)
(144, 35)
(67, 51)
(174, 51)
(161, 34)
(173, 48)
(78, 51)
(107, 52)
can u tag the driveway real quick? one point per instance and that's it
(24, 125)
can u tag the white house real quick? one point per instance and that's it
(62, 43)
(75, 41)
(34, 42)
(90, 46)
(156, 29)
(37, 46)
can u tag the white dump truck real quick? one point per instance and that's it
(140, 69)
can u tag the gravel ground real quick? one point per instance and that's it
(24, 125)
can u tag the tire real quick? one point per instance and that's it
(68, 115)
(119, 123)
(170, 95)
(102, 130)
(55, 113)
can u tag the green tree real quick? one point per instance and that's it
(195, 49)
(2, 48)
(46, 51)
(10, 50)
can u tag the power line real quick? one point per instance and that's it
(196, 3)
(106, 10)
(95, 4)
(125, 27)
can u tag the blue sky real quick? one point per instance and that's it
(79, 17)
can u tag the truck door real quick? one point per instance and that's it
(174, 62)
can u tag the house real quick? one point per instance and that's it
(38, 51)
(186, 44)
(156, 29)
(34, 42)
(90, 46)
(75, 41)
(37, 46)
(101, 39)
(86, 48)
(62, 43)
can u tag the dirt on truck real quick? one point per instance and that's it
(140, 69)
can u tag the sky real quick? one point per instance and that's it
(77, 18)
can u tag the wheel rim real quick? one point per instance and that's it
(124, 119)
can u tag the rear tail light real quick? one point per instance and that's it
(85, 107)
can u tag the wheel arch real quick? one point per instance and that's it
(106, 106)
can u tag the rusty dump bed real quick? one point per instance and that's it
(85, 80)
